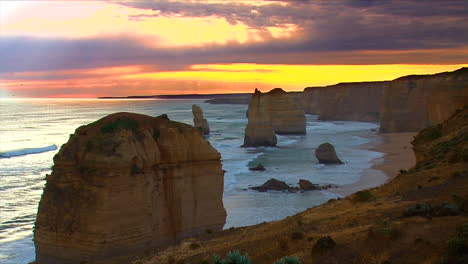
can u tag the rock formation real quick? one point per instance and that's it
(259, 167)
(287, 116)
(198, 120)
(125, 184)
(306, 185)
(270, 113)
(274, 185)
(326, 154)
(414, 102)
(358, 101)
(259, 130)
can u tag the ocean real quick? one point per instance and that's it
(32, 131)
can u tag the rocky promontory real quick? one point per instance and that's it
(287, 116)
(359, 101)
(199, 121)
(126, 184)
(414, 102)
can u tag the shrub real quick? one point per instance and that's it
(194, 245)
(433, 132)
(288, 260)
(232, 257)
(364, 196)
(325, 243)
(119, 124)
(297, 235)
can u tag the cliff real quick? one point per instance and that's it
(198, 120)
(414, 102)
(286, 115)
(421, 216)
(358, 101)
(259, 130)
(126, 184)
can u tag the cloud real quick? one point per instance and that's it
(328, 32)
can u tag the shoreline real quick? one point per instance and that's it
(397, 155)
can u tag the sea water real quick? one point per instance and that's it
(32, 131)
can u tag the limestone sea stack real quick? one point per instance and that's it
(326, 154)
(259, 130)
(125, 184)
(198, 120)
(287, 115)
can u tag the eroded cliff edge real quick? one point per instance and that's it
(359, 101)
(125, 184)
(421, 216)
(414, 102)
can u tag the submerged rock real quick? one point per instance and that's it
(198, 120)
(259, 167)
(125, 184)
(326, 154)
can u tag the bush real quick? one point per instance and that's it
(289, 260)
(232, 257)
(325, 243)
(364, 196)
(297, 235)
(119, 124)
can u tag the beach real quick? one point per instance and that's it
(397, 155)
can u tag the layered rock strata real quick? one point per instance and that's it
(414, 102)
(287, 115)
(125, 184)
(259, 130)
(198, 120)
(358, 101)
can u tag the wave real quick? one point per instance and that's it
(26, 151)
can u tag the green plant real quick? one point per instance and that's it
(288, 260)
(156, 134)
(119, 124)
(232, 257)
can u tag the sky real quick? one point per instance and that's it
(108, 48)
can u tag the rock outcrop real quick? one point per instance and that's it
(274, 185)
(125, 184)
(414, 102)
(198, 120)
(287, 116)
(306, 185)
(358, 101)
(274, 112)
(259, 130)
(326, 154)
(259, 167)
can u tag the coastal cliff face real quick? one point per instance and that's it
(418, 217)
(125, 184)
(259, 130)
(198, 120)
(414, 102)
(345, 101)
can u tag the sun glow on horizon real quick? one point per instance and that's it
(209, 78)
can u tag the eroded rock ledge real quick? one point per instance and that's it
(125, 184)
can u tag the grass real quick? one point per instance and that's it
(232, 257)
(288, 260)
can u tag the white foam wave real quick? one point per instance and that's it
(26, 151)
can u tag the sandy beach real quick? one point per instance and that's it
(398, 155)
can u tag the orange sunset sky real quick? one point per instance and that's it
(91, 48)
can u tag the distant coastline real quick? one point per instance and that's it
(179, 96)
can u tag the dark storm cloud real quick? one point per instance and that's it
(329, 32)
